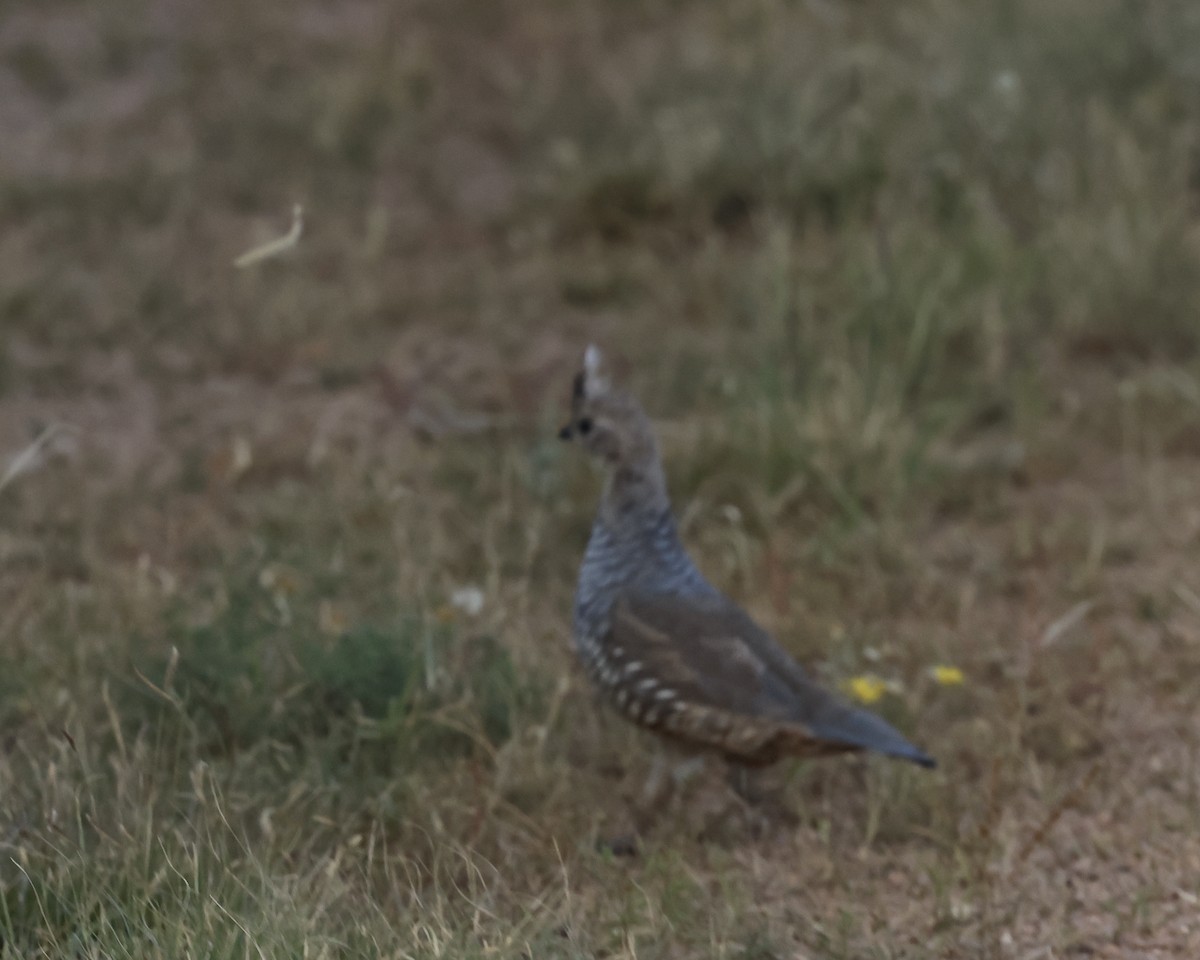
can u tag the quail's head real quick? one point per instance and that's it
(607, 422)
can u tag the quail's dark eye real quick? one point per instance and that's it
(584, 426)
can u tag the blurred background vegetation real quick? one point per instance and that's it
(287, 552)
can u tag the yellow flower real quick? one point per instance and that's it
(865, 689)
(947, 676)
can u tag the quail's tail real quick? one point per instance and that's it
(842, 723)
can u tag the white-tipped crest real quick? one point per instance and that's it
(593, 363)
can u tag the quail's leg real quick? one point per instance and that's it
(646, 807)
(761, 803)
(656, 794)
(670, 773)
(742, 782)
(724, 804)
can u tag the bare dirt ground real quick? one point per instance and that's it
(287, 551)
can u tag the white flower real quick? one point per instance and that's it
(467, 599)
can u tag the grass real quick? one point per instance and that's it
(910, 291)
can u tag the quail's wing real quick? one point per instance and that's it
(712, 654)
(707, 650)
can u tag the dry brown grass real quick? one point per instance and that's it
(911, 289)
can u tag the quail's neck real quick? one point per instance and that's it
(634, 541)
(633, 494)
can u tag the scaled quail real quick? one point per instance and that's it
(665, 647)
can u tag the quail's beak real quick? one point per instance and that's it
(567, 432)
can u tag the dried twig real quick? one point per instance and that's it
(1071, 618)
(1068, 799)
(273, 248)
(24, 461)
